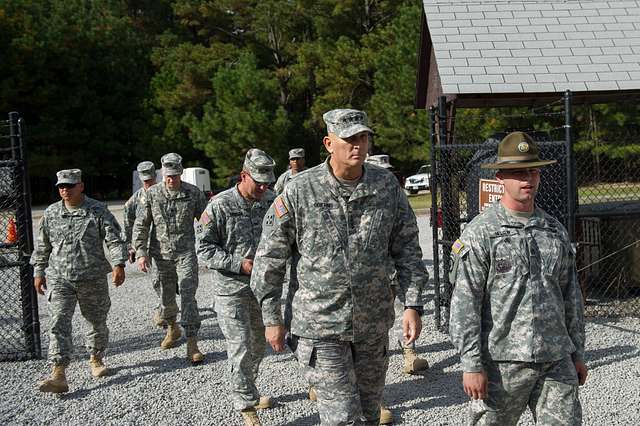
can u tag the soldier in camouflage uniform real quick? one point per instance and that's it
(348, 222)
(147, 174)
(69, 262)
(296, 165)
(171, 207)
(232, 227)
(516, 311)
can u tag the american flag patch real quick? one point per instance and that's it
(457, 246)
(204, 218)
(280, 208)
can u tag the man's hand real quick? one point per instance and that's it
(132, 255)
(275, 336)
(582, 371)
(40, 283)
(411, 326)
(118, 275)
(475, 385)
(246, 267)
(143, 263)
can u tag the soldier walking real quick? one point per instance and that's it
(348, 222)
(147, 174)
(170, 207)
(516, 311)
(296, 165)
(70, 264)
(232, 227)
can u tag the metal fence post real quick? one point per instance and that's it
(433, 188)
(571, 177)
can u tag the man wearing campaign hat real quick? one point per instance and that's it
(147, 175)
(169, 209)
(70, 264)
(296, 165)
(349, 223)
(517, 315)
(232, 225)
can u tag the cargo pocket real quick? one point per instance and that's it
(306, 353)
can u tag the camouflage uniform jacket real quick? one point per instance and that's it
(516, 297)
(232, 228)
(172, 215)
(129, 216)
(344, 248)
(283, 180)
(69, 243)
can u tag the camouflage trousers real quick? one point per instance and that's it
(348, 378)
(94, 301)
(549, 389)
(180, 274)
(240, 320)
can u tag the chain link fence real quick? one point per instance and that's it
(19, 323)
(608, 214)
(596, 196)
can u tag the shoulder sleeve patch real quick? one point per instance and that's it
(457, 246)
(205, 219)
(280, 208)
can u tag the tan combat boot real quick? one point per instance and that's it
(313, 396)
(57, 383)
(173, 334)
(98, 369)
(193, 353)
(386, 418)
(264, 403)
(250, 417)
(412, 363)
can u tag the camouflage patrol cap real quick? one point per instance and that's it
(296, 153)
(146, 170)
(171, 164)
(517, 151)
(69, 176)
(259, 166)
(345, 123)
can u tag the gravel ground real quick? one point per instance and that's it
(151, 386)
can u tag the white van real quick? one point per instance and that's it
(194, 175)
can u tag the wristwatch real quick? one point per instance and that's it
(418, 309)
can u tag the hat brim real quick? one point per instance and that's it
(518, 165)
(145, 176)
(293, 157)
(266, 178)
(353, 130)
(67, 181)
(171, 171)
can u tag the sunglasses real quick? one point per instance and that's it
(66, 185)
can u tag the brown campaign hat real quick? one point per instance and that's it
(517, 151)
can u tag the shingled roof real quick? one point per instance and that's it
(503, 47)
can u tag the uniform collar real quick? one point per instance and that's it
(365, 188)
(537, 219)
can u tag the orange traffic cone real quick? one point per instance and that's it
(12, 232)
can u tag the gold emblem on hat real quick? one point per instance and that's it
(523, 147)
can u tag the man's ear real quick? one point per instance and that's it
(327, 142)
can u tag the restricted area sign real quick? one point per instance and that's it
(490, 191)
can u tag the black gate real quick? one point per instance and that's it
(19, 323)
(594, 190)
